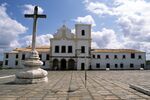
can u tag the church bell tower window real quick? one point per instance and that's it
(82, 49)
(83, 32)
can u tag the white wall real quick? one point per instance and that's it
(127, 61)
(11, 60)
(61, 43)
(44, 54)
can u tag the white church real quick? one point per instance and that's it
(72, 51)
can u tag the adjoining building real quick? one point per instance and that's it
(72, 51)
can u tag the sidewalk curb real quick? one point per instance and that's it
(140, 89)
(7, 76)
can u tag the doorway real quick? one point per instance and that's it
(82, 66)
(63, 64)
(71, 64)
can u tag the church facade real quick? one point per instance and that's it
(72, 51)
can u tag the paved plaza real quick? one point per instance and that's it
(70, 85)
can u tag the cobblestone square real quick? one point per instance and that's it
(70, 85)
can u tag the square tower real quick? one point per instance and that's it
(83, 31)
(83, 43)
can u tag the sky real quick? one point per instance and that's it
(116, 24)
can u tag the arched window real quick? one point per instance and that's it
(98, 56)
(93, 56)
(121, 65)
(116, 65)
(107, 65)
(107, 56)
(83, 32)
(115, 57)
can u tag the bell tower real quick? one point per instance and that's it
(83, 31)
(83, 43)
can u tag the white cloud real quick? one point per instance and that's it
(10, 29)
(29, 9)
(132, 16)
(73, 30)
(94, 45)
(98, 8)
(86, 20)
(40, 40)
(133, 20)
(106, 38)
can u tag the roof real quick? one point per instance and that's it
(47, 49)
(39, 49)
(116, 51)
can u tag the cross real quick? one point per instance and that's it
(64, 22)
(34, 16)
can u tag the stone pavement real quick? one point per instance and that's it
(69, 85)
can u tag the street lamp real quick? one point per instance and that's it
(78, 52)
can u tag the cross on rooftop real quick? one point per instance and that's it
(35, 16)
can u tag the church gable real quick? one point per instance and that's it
(64, 33)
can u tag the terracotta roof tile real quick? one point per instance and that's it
(39, 49)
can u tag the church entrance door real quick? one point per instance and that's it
(71, 64)
(55, 64)
(63, 64)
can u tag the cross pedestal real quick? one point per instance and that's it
(32, 73)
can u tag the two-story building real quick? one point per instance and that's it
(72, 51)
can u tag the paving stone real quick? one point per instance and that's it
(34, 98)
(50, 98)
(74, 98)
(69, 85)
(104, 92)
(8, 98)
(111, 97)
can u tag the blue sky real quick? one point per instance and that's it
(57, 11)
(115, 23)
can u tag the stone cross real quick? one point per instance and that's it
(34, 16)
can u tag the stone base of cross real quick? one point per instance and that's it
(32, 73)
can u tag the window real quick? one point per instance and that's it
(63, 49)
(56, 49)
(93, 56)
(16, 62)
(98, 56)
(43, 63)
(142, 65)
(7, 55)
(124, 57)
(6, 62)
(107, 56)
(107, 65)
(131, 65)
(16, 55)
(121, 65)
(82, 49)
(132, 55)
(115, 57)
(97, 65)
(69, 49)
(140, 57)
(82, 66)
(47, 56)
(83, 32)
(116, 65)
(40, 56)
(23, 56)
